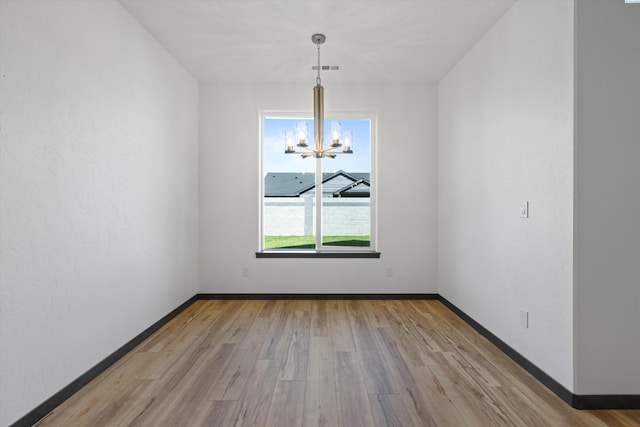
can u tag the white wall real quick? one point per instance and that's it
(229, 193)
(607, 197)
(505, 136)
(98, 191)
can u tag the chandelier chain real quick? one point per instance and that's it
(318, 78)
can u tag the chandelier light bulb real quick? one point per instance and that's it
(336, 134)
(289, 139)
(347, 139)
(302, 131)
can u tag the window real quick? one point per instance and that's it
(317, 204)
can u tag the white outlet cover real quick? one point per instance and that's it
(524, 319)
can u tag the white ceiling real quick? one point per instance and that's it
(270, 40)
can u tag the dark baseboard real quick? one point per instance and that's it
(316, 296)
(54, 401)
(608, 401)
(576, 401)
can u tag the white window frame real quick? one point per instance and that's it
(373, 179)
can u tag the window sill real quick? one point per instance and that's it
(317, 254)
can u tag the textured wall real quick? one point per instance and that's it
(607, 201)
(98, 191)
(506, 136)
(229, 214)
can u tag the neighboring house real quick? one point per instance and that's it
(286, 216)
(298, 184)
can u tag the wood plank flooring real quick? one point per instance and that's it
(320, 363)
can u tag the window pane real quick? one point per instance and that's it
(346, 188)
(289, 183)
(291, 188)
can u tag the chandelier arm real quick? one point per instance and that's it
(307, 150)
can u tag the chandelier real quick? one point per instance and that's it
(338, 138)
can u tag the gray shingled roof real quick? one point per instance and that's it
(360, 188)
(294, 184)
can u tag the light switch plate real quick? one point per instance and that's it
(524, 210)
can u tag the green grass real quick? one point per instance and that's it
(308, 242)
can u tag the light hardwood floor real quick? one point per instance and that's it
(320, 363)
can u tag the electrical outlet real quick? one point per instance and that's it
(524, 318)
(245, 271)
(389, 271)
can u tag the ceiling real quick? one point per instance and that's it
(270, 40)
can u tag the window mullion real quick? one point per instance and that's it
(318, 203)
